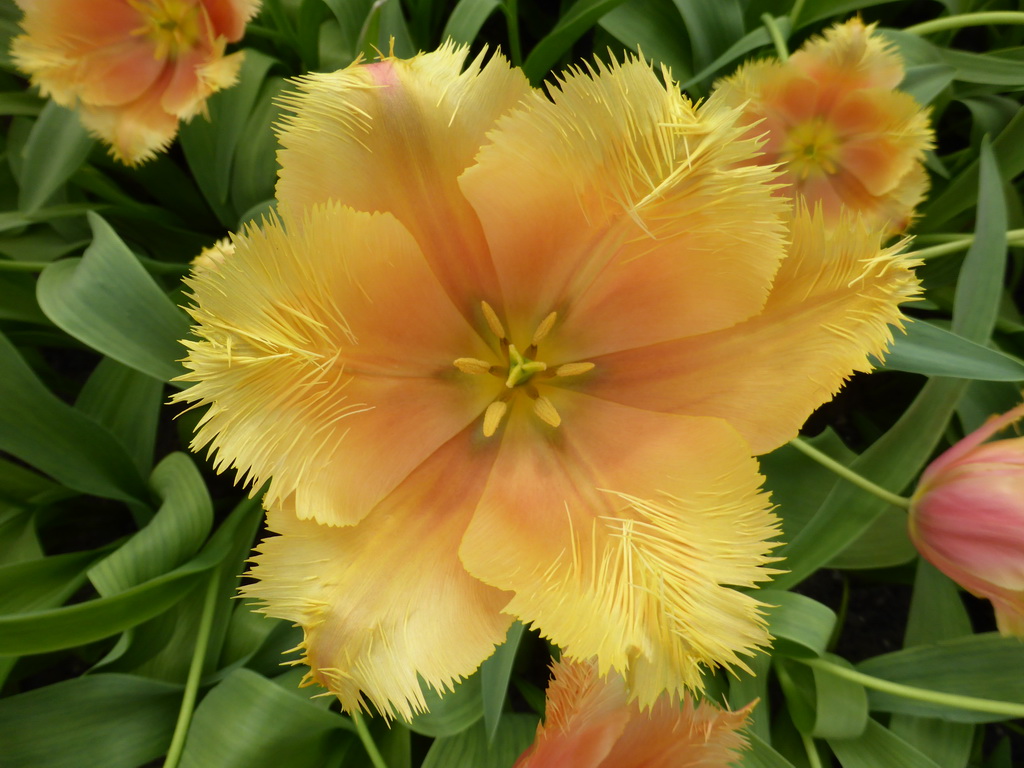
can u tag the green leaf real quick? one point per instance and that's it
(761, 755)
(175, 533)
(495, 673)
(56, 147)
(45, 582)
(926, 81)
(757, 38)
(747, 687)
(980, 283)
(467, 18)
(963, 191)
(452, 712)
(712, 27)
(570, 27)
(654, 28)
(249, 722)
(841, 706)
(472, 749)
(975, 665)
(53, 437)
(81, 623)
(801, 626)
(21, 103)
(114, 721)
(127, 403)
(210, 145)
(876, 747)
(930, 350)
(255, 168)
(883, 544)
(107, 300)
(18, 299)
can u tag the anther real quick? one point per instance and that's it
(573, 369)
(546, 411)
(473, 365)
(492, 320)
(543, 329)
(493, 416)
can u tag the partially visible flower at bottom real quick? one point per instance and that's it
(967, 518)
(589, 724)
(213, 256)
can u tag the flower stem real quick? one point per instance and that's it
(794, 13)
(1014, 236)
(776, 35)
(813, 759)
(848, 474)
(966, 20)
(515, 51)
(195, 671)
(973, 703)
(364, 736)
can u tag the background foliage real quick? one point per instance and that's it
(120, 552)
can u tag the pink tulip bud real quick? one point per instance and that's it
(967, 518)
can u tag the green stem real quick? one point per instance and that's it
(794, 13)
(1014, 236)
(9, 265)
(364, 736)
(813, 758)
(151, 265)
(776, 35)
(195, 672)
(972, 703)
(512, 20)
(848, 474)
(966, 20)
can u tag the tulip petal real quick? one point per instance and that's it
(394, 136)
(849, 56)
(584, 196)
(228, 17)
(638, 518)
(387, 602)
(584, 712)
(834, 300)
(326, 352)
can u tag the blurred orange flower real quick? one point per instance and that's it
(967, 518)
(832, 117)
(588, 723)
(508, 355)
(132, 68)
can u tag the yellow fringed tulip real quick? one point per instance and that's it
(508, 355)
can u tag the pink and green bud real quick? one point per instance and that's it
(967, 518)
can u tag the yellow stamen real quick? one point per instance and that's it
(573, 369)
(544, 329)
(472, 365)
(492, 320)
(493, 416)
(545, 409)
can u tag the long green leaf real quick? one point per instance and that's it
(53, 437)
(107, 300)
(466, 19)
(933, 351)
(114, 721)
(249, 722)
(570, 27)
(876, 747)
(56, 147)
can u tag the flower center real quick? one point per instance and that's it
(812, 147)
(172, 25)
(518, 370)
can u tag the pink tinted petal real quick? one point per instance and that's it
(876, 163)
(228, 17)
(830, 308)
(387, 603)
(615, 180)
(118, 74)
(636, 517)
(347, 357)
(394, 136)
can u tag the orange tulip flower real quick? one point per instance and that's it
(589, 723)
(132, 68)
(833, 119)
(508, 355)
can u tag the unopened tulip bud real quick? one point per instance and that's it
(967, 518)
